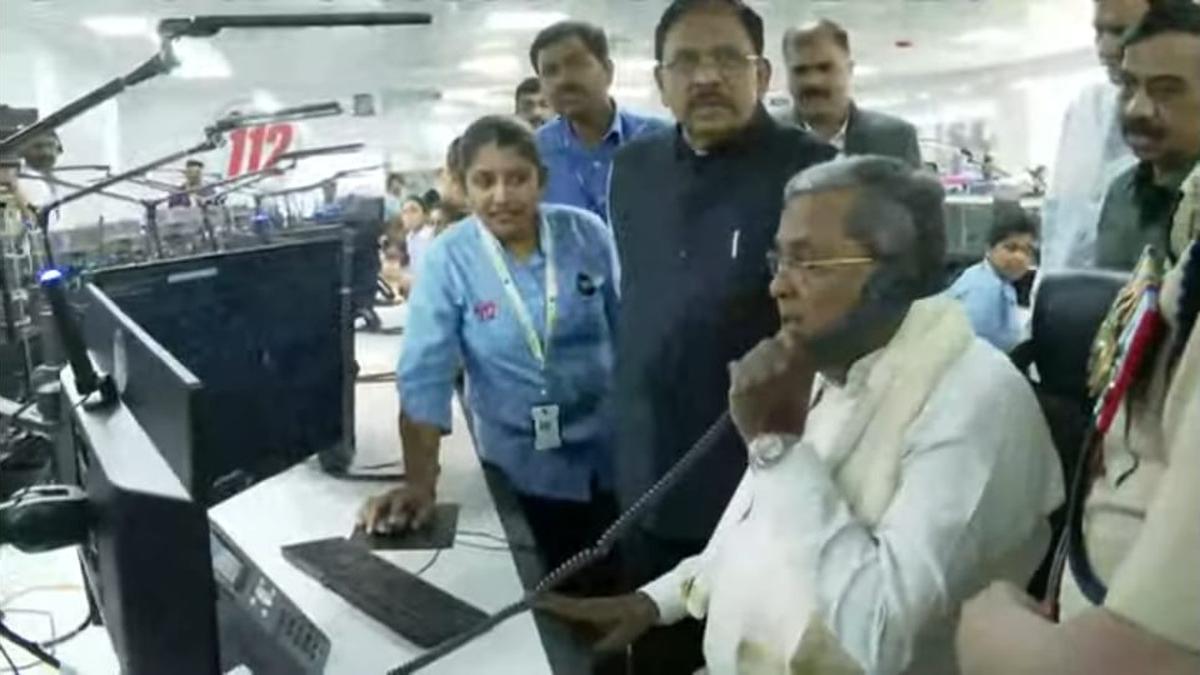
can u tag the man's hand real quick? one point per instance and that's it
(616, 622)
(407, 507)
(770, 389)
(1001, 619)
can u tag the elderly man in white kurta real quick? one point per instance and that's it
(897, 464)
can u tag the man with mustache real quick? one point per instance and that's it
(1160, 121)
(577, 147)
(694, 208)
(1091, 151)
(530, 103)
(819, 69)
(1128, 599)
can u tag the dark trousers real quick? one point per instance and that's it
(667, 650)
(563, 528)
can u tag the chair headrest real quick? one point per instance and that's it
(1068, 311)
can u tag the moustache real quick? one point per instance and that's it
(569, 89)
(1141, 126)
(708, 100)
(815, 92)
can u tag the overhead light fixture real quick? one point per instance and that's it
(501, 65)
(199, 60)
(995, 37)
(119, 26)
(265, 101)
(521, 19)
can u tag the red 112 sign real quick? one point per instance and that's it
(248, 147)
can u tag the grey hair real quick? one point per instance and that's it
(897, 215)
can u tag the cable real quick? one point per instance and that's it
(580, 560)
(426, 566)
(70, 635)
(505, 543)
(45, 645)
(31, 647)
(8, 659)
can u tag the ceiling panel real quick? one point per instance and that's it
(478, 47)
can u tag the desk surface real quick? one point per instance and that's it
(304, 504)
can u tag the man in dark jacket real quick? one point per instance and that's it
(694, 209)
(819, 69)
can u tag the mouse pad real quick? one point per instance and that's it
(438, 533)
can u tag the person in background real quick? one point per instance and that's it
(38, 189)
(879, 497)
(192, 191)
(1160, 120)
(987, 289)
(452, 200)
(530, 103)
(694, 210)
(393, 196)
(819, 70)
(1091, 150)
(524, 295)
(439, 219)
(419, 232)
(572, 62)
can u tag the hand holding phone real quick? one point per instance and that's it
(770, 388)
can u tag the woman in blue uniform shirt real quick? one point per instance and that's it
(524, 295)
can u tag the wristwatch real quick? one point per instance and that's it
(767, 449)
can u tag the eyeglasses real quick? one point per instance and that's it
(777, 263)
(727, 62)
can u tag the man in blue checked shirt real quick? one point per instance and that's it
(571, 59)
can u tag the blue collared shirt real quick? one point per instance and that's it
(991, 304)
(460, 313)
(579, 174)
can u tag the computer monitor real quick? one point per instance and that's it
(146, 562)
(174, 592)
(237, 364)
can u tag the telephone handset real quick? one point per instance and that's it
(584, 558)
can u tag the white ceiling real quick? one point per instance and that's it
(474, 53)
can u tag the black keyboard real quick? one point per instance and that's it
(400, 600)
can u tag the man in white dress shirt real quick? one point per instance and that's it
(1091, 150)
(897, 463)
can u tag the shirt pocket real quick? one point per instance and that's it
(582, 321)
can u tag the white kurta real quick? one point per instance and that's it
(1091, 153)
(978, 477)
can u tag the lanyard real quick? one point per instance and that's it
(539, 347)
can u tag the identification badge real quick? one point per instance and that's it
(546, 434)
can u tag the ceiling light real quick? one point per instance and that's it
(265, 102)
(986, 36)
(199, 60)
(521, 19)
(119, 26)
(504, 65)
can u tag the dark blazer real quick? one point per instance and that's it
(874, 133)
(692, 232)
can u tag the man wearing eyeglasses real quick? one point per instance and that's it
(897, 463)
(694, 208)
